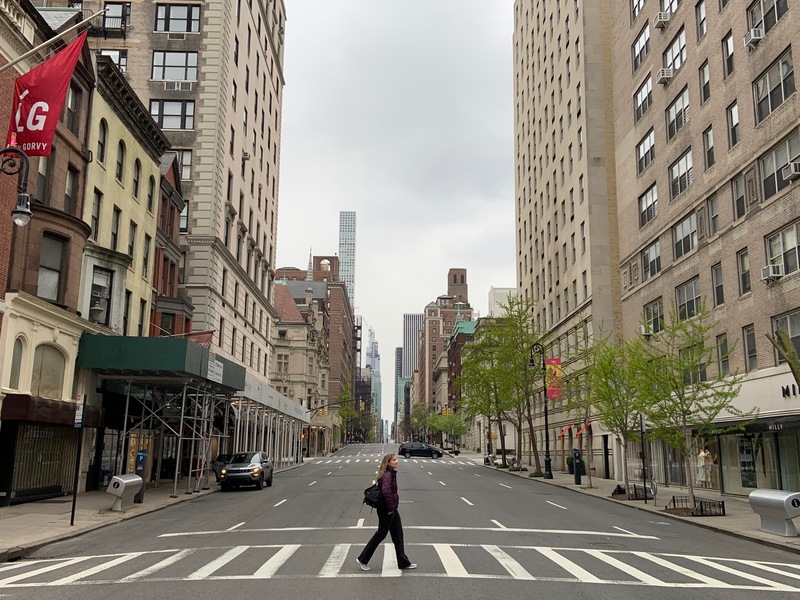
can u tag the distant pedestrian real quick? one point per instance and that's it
(388, 517)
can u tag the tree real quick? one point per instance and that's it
(681, 402)
(420, 414)
(452, 424)
(783, 344)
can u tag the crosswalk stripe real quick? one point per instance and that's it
(749, 577)
(269, 568)
(680, 569)
(216, 564)
(335, 561)
(569, 566)
(450, 561)
(170, 560)
(618, 564)
(770, 569)
(96, 569)
(45, 569)
(389, 567)
(516, 570)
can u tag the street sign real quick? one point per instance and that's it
(79, 412)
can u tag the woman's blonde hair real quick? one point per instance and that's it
(384, 464)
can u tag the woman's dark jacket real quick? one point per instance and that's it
(388, 484)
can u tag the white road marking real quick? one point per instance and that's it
(450, 561)
(506, 486)
(632, 571)
(499, 524)
(97, 569)
(476, 475)
(770, 569)
(216, 564)
(312, 483)
(328, 473)
(279, 503)
(623, 530)
(159, 565)
(732, 571)
(467, 501)
(269, 568)
(45, 569)
(557, 505)
(569, 566)
(389, 567)
(235, 527)
(516, 570)
(335, 561)
(429, 473)
(443, 483)
(360, 523)
(358, 460)
(682, 570)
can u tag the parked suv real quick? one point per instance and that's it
(246, 468)
(409, 449)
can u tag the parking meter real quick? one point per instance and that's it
(139, 469)
(576, 457)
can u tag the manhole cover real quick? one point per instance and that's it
(607, 545)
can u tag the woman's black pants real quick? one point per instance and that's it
(390, 524)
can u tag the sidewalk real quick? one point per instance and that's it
(739, 520)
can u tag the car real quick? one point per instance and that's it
(218, 463)
(409, 449)
(246, 468)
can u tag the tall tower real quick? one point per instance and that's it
(347, 252)
(412, 325)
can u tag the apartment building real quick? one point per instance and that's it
(708, 162)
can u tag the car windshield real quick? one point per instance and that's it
(224, 458)
(243, 457)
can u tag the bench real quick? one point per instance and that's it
(776, 508)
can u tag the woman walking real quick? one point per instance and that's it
(388, 517)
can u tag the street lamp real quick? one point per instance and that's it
(15, 162)
(539, 349)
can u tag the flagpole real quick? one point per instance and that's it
(30, 53)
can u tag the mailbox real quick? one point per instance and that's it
(776, 508)
(125, 488)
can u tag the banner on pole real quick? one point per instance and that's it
(553, 377)
(38, 97)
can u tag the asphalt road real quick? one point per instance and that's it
(474, 532)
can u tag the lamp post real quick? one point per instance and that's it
(539, 349)
(15, 162)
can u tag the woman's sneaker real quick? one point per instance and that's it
(409, 567)
(365, 567)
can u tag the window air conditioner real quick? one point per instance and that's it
(662, 19)
(752, 37)
(771, 273)
(791, 171)
(645, 331)
(664, 76)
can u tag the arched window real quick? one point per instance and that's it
(151, 192)
(137, 175)
(102, 140)
(16, 364)
(120, 161)
(48, 372)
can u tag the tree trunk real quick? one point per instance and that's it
(588, 460)
(502, 440)
(625, 481)
(532, 441)
(687, 459)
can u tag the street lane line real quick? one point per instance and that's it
(329, 472)
(47, 569)
(570, 567)
(516, 570)
(217, 563)
(429, 473)
(450, 561)
(623, 530)
(312, 483)
(443, 483)
(630, 570)
(467, 501)
(506, 486)
(476, 475)
(269, 568)
(389, 567)
(681, 570)
(335, 561)
(279, 503)
(235, 527)
(96, 569)
(499, 524)
(558, 505)
(159, 565)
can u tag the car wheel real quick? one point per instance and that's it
(436, 455)
(260, 483)
(407, 454)
(269, 481)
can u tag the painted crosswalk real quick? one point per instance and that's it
(326, 460)
(461, 561)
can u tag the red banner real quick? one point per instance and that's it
(38, 97)
(553, 377)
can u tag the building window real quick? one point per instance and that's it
(120, 170)
(713, 214)
(120, 58)
(47, 379)
(739, 204)
(636, 8)
(282, 362)
(146, 257)
(700, 13)
(727, 54)
(142, 316)
(643, 99)
(645, 151)
(648, 206)
(73, 106)
(101, 295)
(126, 313)
(716, 281)
(651, 260)
(132, 239)
(151, 192)
(184, 219)
(185, 162)
(173, 114)
(733, 125)
(680, 174)
(670, 6)
(115, 217)
(174, 66)
(684, 235)
(654, 316)
(750, 356)
(675, 55)
(51, 260)
(782, 248)
(687, 299)
(641, 47)
(743, 262)
(773, 162)
(70, 190)
(705, 83)
(677, 114)
(178, 17)
(764, 14)
(117, 16)
(708, 147)
(16, 364)
(774, 87)
(790, 324)
(723, 356)
(102, 140)
(137, 176)
(97, 204)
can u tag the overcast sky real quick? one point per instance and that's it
(403, 112)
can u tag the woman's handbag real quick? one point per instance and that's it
(373, 496)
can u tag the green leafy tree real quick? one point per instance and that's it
(783, 344)
(420, 415)
(452, 424)
(681, 402)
